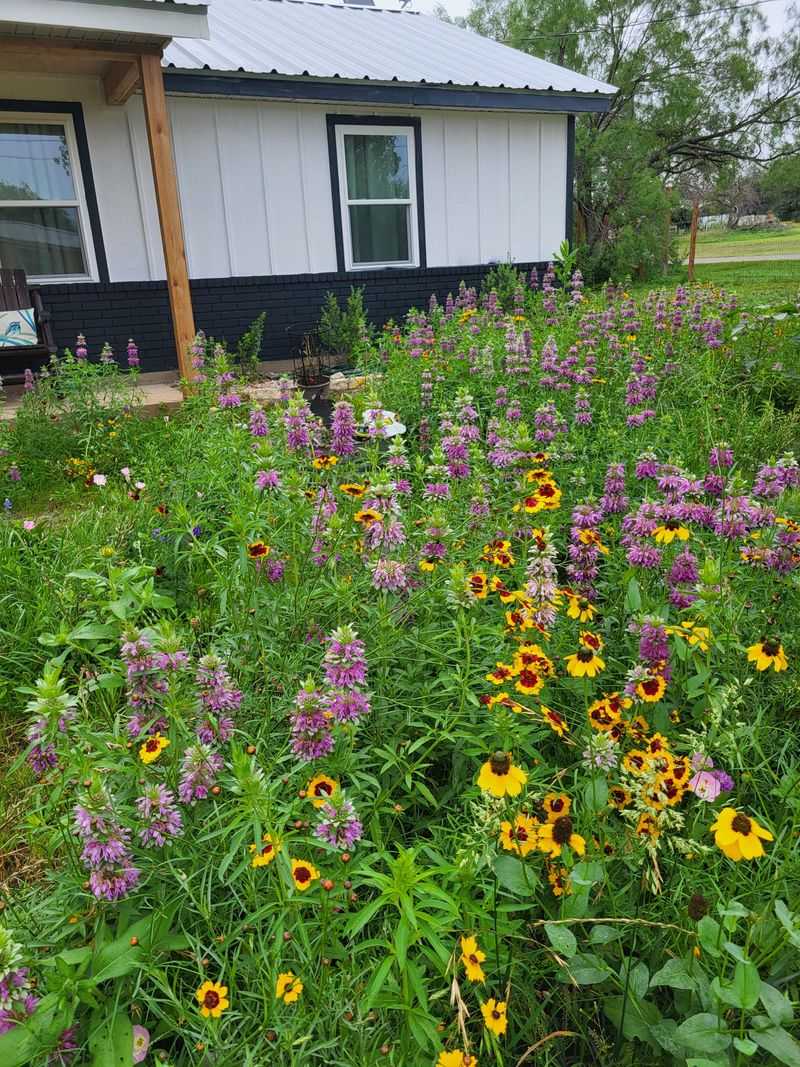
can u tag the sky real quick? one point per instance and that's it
(774, 10)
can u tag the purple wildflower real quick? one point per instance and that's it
(339, 825)
(199, 771)
(162, 820)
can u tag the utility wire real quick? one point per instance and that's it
(645, 22)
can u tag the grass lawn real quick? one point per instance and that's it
(720, 241)
(754, 283)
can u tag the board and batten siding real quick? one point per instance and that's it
(255, 184)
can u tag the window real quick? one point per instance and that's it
(44, 224)
(377, 177)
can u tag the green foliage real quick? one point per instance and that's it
(343, 331)
(505, 280)
(248, 350)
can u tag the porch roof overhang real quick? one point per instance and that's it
(121, 22)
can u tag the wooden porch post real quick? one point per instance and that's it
(169, 210)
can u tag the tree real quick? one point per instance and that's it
(780, 187)
(700, 86)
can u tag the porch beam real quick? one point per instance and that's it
(169, 210)
(61, 48)
(120, 80)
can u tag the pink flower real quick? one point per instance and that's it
(706, 786)
(141, 1043)
(126, 473)
(99, 479)
(29, 524)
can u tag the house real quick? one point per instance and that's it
(165, 164)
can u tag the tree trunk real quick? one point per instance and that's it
(693, 237)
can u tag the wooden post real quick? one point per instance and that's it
(169, 209)
(693, 236)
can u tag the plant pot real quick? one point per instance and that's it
(314, 390)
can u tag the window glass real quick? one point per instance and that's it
(379, 233)
(42, 241)
(34, 162)
(377, 166)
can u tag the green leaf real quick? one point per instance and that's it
(636, 1019)
(604, 935)
(788, 921)
(402, 937)
(633, 598)
(512, 875)
(377, 983)
(709, 932)
(703, 1032)
(595, 794)
(638, 979)
(777, 1041)
(675, 974)
(111, 1041)
(745, 1046)
(587, 872)
(561, 938)
(588, 969)
(777, 1004)
(746, 985)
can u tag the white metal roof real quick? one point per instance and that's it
(324, 40)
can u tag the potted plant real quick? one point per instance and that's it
(310, 365)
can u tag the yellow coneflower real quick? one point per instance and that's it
(553, 836)
(213, 999)
(519, 836)
(456, 1058)
(668, 531)
(529, 682)
(152, 748)
(303, 874)
(258, 550)
(648, 827)
(500, 777)
(494, 1016)
(579, 607)
(288, 987)
(264, 855)
(324, 462)
(472, 958)
(739, 836)
(584, 663)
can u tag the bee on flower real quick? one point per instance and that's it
(766, 653)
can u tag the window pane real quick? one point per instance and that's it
(380, 233)
(34, 162)
(41, 240)
(377, 166)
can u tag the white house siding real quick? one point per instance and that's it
(255, 185)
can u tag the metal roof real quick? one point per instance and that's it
(323, 40)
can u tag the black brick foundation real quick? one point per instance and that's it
(225, 307)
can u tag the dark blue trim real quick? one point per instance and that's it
(82, 142)
(569, 227)
(365, 93)
(375, 120)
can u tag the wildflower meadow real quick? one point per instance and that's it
(460, 731)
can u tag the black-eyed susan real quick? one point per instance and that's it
(556, 722)
(324, 462)
(478, 585)
(619, 797)
(494, 1016)
(366, 516)
(320, 789)
(456, 1058)
(578, 607)
(500, 777)
(288, 987)
(304, 874)
(519, 836)
(766, 653)
(554, 836)
(652, 689)
(555, 805)
(584, 663)
(152, 748)
(472, 958)
(258, 550)
(353, 489)
(213, 999)
(263, 856)
(559, 880)
(669, 531)
(739, 836)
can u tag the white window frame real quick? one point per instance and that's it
(65, 121)
(345, 203)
